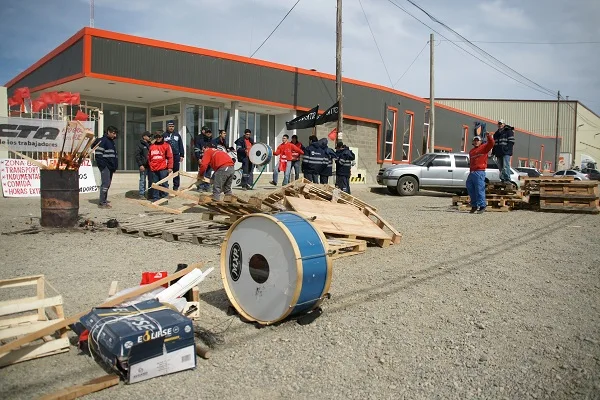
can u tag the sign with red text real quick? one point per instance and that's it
(22, 179)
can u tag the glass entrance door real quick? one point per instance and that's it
(160, 124)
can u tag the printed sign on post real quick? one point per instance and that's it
(20, 178)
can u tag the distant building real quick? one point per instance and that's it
(579, 127)
(140, 83)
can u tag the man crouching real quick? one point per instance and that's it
(222, 164)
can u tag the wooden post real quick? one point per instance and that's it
(338, 71)
(432, 95)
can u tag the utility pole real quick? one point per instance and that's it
(556, 142)
(338, 71)
(91, 13)
(431, 96)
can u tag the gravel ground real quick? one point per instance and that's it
(499, 305)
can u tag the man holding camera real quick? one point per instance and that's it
(503, 149)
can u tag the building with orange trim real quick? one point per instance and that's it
(140, 83)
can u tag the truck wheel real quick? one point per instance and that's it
(408, 186)
(393, 190)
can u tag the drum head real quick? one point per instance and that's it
(237, 178)
(261, 268)
(260, 154)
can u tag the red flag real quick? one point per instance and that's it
(81, 116)
(63, 97)
(12, 101)
(333, 134)
(49, 97)
(23, 93)
(75, 99)
(37, 105)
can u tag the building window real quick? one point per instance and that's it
(442, 149)
(157, 111)
(523, 162)
(171, 109)
(425, 145)
(547, 166)
(465, 137)
(390, 133)
(533, 163)
(407, 135)
(136, 125)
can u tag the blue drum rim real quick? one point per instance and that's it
(269, 156)
(299, 266)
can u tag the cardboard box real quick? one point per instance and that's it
(142, 341)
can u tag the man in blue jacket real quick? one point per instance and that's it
(174, 139)
(242, 147)
(326, 162)
(343, 164)
(504, 139)
(107, 162)
(312, 161)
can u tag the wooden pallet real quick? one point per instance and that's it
(532, 185)
(577, 205)
(339, 248)
(25, 315)
(497, 202)
(573, 189)
(488, 208)
(174, 229)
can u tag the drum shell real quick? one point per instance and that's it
(313, 271)
(265, 151)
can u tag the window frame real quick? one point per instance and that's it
(394, 134)
(411, 131)
(465, 137)
(440, 156)
(466, 157)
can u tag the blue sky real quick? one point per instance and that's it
(31, 29)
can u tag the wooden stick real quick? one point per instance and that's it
(202, 351)
(110, 303)
(23, 156)
(92, 386)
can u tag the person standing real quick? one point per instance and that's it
(160, 160)
(205, 136)
(343, 164)
(174, 139)
(504, 138)
(296, 157)
(221, 140)
(478, 157)
(222, 164)
(141, 159)
(242, 146)
(312, 160)
(285, 151)
(327, 162)
(107, 162)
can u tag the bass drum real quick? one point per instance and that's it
(275, 266)
(237, 164)
(260, 154)
(237, 179)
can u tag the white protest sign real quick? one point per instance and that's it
(20, 178)
(42, 135)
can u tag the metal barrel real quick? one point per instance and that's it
(59, 192)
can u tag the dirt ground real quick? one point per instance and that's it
(504, 305)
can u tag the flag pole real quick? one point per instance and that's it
(338, 71)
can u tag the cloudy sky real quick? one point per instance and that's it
(32, 28)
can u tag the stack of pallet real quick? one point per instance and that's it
(576, 196)
(499, 197)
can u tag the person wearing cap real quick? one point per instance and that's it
(312, 160)
(222, 164)
(174, 139)
(343, 164)
(242, 146)
(160, 161)
(141, 159)
(503, 149)
(478, 157)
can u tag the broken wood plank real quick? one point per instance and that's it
(92, 386)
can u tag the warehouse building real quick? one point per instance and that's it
(141, 83)
(578, 126)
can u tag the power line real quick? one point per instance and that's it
(376, 45)
(434, 19)
(411, 64)
(273, 31)
(469, 53)
(517, 42)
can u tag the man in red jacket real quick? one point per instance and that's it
(160, 160)
(285, 151)
(222, 164)
(478, 157)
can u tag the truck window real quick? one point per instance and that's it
(441, 161)
(461, 161)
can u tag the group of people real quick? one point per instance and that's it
(501, 144)
(161, 153)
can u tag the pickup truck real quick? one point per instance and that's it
(443, 172)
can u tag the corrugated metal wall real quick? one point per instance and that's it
(67, 63)
(534, 116)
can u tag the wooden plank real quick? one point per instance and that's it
(110, 303)
(5, 322)
(41, 293)
(113, 288)
(585, 210)
(92, 386)
(55, 346)
(24, 329)
(29, 305)
(396, 236)
(338, 218)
